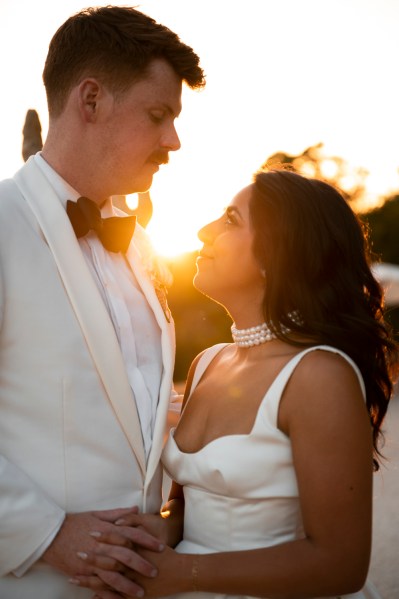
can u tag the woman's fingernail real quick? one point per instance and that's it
(74, 581)
(82, 555)
(95, 533)
(140, 593)
(120, 521)
(154, 573)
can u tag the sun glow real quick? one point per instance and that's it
(172, 241)
(288, 85)
(172, 232)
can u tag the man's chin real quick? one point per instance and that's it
(144, 188)
(144, 182)
(141, 185)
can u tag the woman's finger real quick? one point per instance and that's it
(117, 514)
(111, 558)
(112, 538)
(122, 584)
(108, 595)
(90, 582)
(101, 561)
(127, 536)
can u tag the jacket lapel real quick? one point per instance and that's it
(85, 298)
(168, 352)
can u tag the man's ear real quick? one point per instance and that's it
(89, 92)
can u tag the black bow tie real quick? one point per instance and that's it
(114, 233)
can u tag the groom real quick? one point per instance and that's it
(86, 349)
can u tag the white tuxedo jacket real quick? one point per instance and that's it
(70, 437)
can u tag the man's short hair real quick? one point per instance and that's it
(114, 44)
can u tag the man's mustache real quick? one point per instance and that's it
(160, 157)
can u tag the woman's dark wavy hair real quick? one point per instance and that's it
(316, 258)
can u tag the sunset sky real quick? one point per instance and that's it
(280, 76)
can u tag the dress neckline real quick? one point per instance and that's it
(215, 350)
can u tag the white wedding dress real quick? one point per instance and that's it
(241, 490)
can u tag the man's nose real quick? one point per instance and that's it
(171, 140)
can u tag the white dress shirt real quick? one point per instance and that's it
(135, 325)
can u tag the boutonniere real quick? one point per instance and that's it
(160, 276)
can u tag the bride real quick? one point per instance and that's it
(275, 448)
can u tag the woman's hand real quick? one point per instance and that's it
(120, 569)
(115, 562)
(128, 534)
(116, 558)
(153, 524)
(166, 526)
(174, 574)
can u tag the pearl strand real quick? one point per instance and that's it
(259, 334)
(252, 336)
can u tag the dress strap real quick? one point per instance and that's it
(271, 401)
(204, 362)
(272, 398)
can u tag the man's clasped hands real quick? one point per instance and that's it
(123, 553)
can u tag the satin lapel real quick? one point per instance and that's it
(168, 356)
(86, 301)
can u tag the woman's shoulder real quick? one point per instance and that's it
(324, 373)
(324, 361)
(324, 381)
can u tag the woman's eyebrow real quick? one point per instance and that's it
(232, 210)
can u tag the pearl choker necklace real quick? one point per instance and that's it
(254, 335)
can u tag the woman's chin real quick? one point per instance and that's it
(207, 290)
(197, 281)
(200, 284)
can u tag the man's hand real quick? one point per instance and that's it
(116, 560)
(68, 552)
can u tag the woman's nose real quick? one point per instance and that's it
(206, 234)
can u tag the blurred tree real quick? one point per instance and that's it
(383, 224)
(384, 229)
(383, 221)
(312, 162)
(31, 134)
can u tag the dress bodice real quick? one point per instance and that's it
(241, 490)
